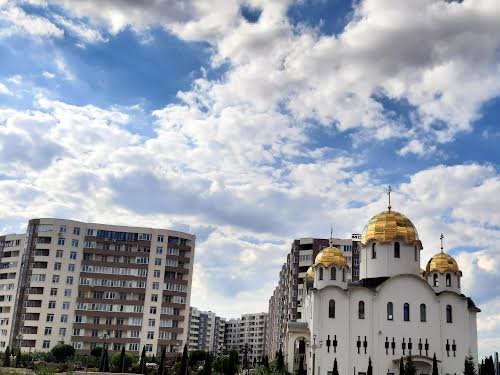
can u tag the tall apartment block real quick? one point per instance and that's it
(90, 284)
(206, 331)
(285, 304)
(248, 331)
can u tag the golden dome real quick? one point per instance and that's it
(390, 226)
(331, 256)
(442, 262)
(310, 273)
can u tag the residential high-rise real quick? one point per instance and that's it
(285, 304)
(90, 284)
(206, 331)
(247, 332)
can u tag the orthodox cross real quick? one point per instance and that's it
(389, 191)
(441, 238)
(331, 236)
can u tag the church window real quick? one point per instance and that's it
(406, 312)
(458, 281)
(416, 253)
(333, 273)
(343, 274)
(361, 310)
(436, 281)
(374, 251)
(390, 311)
(449, 314)
(321, 273)
(396, 250)
(423, 312)
(448, 279)
(331, 309)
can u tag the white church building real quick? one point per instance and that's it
(393, 311)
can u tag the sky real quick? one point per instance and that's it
(253, 122)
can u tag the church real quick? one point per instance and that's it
(396, 309)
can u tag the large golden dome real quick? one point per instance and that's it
(310, 273)
(442, 262)
(390, 226)
(331, 256)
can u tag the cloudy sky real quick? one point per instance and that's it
(253, 122)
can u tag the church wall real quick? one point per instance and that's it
(385, 264)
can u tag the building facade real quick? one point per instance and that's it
(247, 333)
(89, 284)
(285, 305)
(206, 331)
(394, 310)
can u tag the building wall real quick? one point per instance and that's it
(250, 331)
(206, 331)
(91, 284)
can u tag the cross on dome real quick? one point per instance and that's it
(441, 238)
(389, 191)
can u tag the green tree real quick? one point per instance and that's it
(6, 357)
(161, 366)
(410, 368)
(142, 362)
(96, 352)
(207, 368)
(184, 362)
(469, 366)
(62, 352)
(335, 367)
(401, 367)
(104, 363)
(18, 356)
(280, 362)
(122, 361)
(370, 368)
(434, 365)
(265, 362)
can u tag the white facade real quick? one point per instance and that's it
(206, 331)
(395, 310)
(249, 331)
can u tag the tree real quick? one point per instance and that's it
(161, 366)
(18, 356)
(207, 368)
(434, 365)
(6, 357)
(96, 352)
(184, 362)
(142, 362)
(62, 352)
(280, 362)
(265, 362)
(104, 364)
(410, 368)
(335, 368)
(401, 367)
(370, 368)
(122, 361)
(469, 366)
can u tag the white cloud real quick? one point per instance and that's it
(61, 65)
(4, 90)
(48, 75)
(85, 33)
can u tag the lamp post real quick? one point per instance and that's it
(314, 346)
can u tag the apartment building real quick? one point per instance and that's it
(285, 304)
(248, 332)
(91, 284)
(206, 331)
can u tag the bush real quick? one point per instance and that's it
(96, 352)
(115, 361)
(62, 352)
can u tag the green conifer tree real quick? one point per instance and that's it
(6, 357)
(469, 366)
(434, 365)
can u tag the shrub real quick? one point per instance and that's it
(115, 361)
(62, 352)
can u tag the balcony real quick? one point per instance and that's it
(34, 290)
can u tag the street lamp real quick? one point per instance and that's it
(314, 346)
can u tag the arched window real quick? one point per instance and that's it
(396, 250)
(458, 281)
(406, 312)
(423, 312)
(374, 251)
(416, 253)
(448, 279)
(331, 309)
(343, 274)
(449, 314)
(390, 311)
(361, 310)
(321, 273)
(333, 273)
(435, 278)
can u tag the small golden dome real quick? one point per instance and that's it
(442, 262)
(310, 273)
(390, 226)
(331, 256)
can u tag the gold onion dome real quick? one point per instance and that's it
(331, 256)
(442, 262)
(389, 226)
(310, 273)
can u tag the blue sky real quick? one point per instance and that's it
(251, 123)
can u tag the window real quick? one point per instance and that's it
(50, 318)
(159, 250)
(61, 241)
(59, 254)
(343, 274)
(321, 273)
(76, 231)
(151, 335)
(64, 318)
(331, 309)
(57, 266)
(71, 267)
(156, 285)
(361, 310)
(390, 311)
(152, 310)
(374, 251)
(449, 314)
(53, 291)
(160, 238)
(154, 297)
(67, 292)
(151, 322)
(69, 280)
(72, 255)
(406, 312)
(47, 331)
(74, 243)
(52, 304)
(436, 281)
(416, 254)
(156, 273)
(458, 281)
(65, 306)
(46, 344)
(423, 312)
(333, 273)
(448, 279)
(396, 250)
(62, 332)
